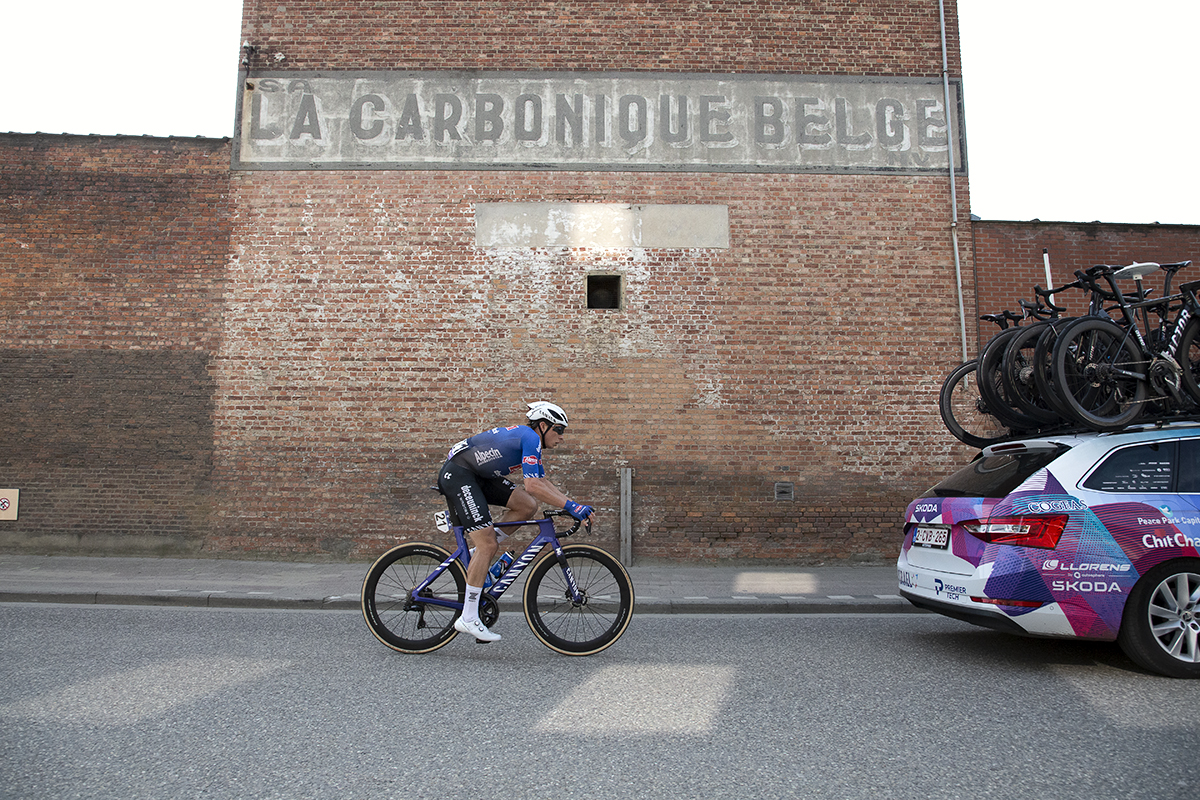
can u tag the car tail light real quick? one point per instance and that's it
(1023, 531)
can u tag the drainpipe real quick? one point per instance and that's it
(962, 314)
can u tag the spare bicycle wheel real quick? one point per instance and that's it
(964, 411)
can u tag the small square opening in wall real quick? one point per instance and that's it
(603, 291)
(785, 491)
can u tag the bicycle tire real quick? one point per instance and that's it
(990, 378)
(1189, 358)
(1087, 358)
(579, 629)
(964, 412)
(1019, 365)
(1043, 368)
(387, 605)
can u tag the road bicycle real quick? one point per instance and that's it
(1108, 370)
(1023, 364)
(995, 386)
(1028, 374)
(1129, 356)
(965, 411)
(577, 599)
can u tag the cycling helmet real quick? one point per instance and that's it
(547, 411)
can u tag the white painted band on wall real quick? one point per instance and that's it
(601, 225)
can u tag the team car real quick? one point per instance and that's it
(1092, 535)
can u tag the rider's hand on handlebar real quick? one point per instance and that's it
(579, 511)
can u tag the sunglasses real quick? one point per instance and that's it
(559, 429)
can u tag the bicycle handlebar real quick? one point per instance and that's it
(562, 512)
(1045, 296)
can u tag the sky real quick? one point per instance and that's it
(1076, 110)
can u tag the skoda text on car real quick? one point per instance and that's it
(1093, 536)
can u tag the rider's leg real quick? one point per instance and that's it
(486, 546)
(521, 505)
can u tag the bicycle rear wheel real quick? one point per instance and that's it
(963, 410)
(1095, 370)
(585, 627)
(394, 616)
(1189, 358)
(1019, 368)
(1043, 368)
(990, 377)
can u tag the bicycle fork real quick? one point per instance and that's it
(576, 597)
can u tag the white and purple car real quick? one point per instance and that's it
(1095, 536)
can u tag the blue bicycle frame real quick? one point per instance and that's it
(547, 535)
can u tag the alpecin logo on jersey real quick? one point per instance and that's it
(482, 456)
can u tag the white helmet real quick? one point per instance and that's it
(547, 411)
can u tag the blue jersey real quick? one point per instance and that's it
(501, 451)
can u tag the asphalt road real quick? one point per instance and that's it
(154, 702)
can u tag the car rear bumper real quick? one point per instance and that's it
(976, 616)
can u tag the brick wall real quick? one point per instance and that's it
(365, 333)
(112, 262)
(330, 334)
(1008, 256)
(828, 37)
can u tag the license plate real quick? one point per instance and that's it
(932, 536)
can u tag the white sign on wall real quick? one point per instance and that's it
(8, 503)
(595, 121)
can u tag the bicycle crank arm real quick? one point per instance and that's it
(1124, 373)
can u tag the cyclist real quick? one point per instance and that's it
(474, 477)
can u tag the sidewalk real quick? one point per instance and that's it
(223, 583)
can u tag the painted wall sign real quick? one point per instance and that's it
(594, 121)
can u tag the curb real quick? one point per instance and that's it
(649, 605)
(181, 600)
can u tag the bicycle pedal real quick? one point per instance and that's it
(482, 641)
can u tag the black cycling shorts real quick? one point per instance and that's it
(468, 495)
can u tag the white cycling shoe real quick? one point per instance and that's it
(477, 629)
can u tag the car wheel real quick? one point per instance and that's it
(1160, 628)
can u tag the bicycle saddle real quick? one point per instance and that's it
(1137, 270)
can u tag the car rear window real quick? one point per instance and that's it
(994, 476)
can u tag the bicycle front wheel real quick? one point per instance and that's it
(597, 619)
(401, 621)
(1043, 369)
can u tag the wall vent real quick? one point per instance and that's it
(603, 291)
(785, 492)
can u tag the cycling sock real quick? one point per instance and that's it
(471, 604)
